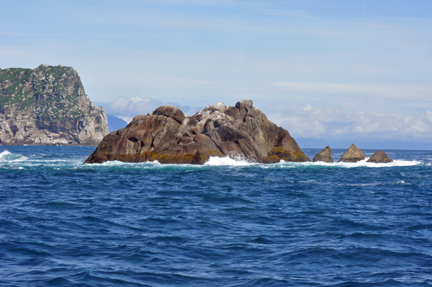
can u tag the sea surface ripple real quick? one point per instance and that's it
(225, 223)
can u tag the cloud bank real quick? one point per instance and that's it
(127, 108)
(325, 125)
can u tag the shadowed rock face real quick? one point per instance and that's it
(380, 157)
(168, 136)
(324, 155)
(353, 154)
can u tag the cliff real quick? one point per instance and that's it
(48, 105)
(168, 136)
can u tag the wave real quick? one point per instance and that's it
(363, 163)
(228, 161)
(6, 156)
(213, 161)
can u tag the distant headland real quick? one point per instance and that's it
(46, 106)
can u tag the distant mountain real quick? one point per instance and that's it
(48, 105)
(115, 123)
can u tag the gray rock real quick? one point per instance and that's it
(170, 111)
(324, 155)
(379, 157)
(48, 105)
(353, 154)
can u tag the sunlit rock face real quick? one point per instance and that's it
(352, 154)
(48, 105)
(168, 136)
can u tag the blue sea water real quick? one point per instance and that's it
(225, 223)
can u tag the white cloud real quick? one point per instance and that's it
(393, 91)
(127, 108)
(428, 117)
(308, 107)
(312, 122)
(130, 107)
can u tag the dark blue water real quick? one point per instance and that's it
(63, 223)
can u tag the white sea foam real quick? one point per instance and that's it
(227, 161)
(364, 163)
(116, 163)
(6, 156)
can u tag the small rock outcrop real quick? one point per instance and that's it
(379, 157)
(324, 155)
(353, 154)
(168, 136)
(48, 105)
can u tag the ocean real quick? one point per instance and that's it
(225, 223)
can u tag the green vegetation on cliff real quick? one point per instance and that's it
(49, 92)
(47, 105)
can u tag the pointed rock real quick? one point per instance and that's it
(353, 154)
(380, 157)
(324, 155)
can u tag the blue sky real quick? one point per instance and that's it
(329, 71)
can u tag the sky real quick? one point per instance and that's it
(332, 72)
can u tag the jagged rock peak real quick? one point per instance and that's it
(48, 105)
(379, 157)
(167, 136)
(353, 154)
(324, 155)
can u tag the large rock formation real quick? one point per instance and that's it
(324, 155)
(379, 157)
(168, 136)
(353, 154)
(48, 105)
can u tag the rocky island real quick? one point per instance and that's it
(324, 155)
(380, 157)
(166, 135)
(48, 105)
(352, 154)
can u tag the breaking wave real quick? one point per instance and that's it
(228, 161)
(6, 156)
